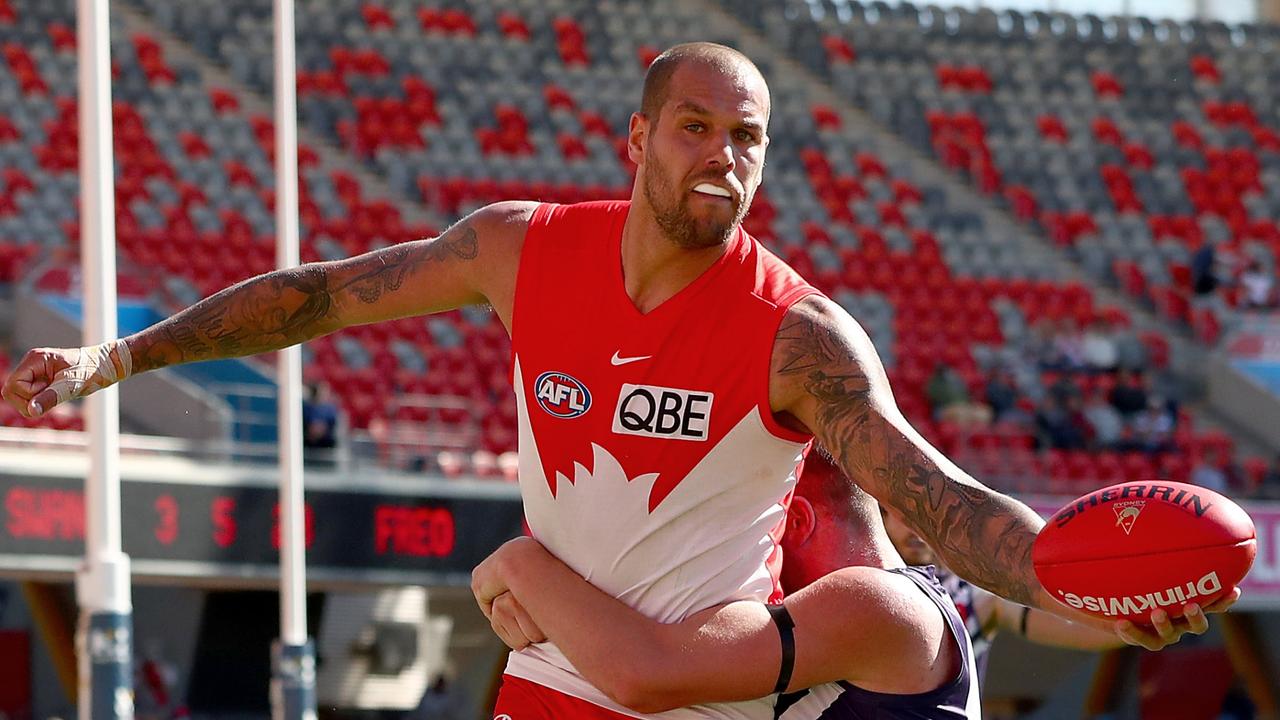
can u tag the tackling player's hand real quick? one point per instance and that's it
(1165, 631)
(488, 580)
(513, 624)
(46, 377)
(487, 583)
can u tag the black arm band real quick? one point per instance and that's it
(783, 620)
(1022, 624)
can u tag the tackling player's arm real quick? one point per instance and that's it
(827, 376)
(472, 262)
(1038, 626)
(843, 623)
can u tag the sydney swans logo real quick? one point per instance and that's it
(1127, 514)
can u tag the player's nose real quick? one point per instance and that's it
(721, 154)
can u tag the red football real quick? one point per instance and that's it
(1125, 550)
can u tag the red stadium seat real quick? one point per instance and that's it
(512, 26)
(1105, 85)
(1174, 466)
(223, 100)
(1106, 131)
(1204, 68)
(62, 36)
(870, 166)
(570, 41)
(1186, 135)
(1051, 128)
(1255, 469)
(826, 117)
(1022, 202)
(557, 97)
(377, 17)
(839, 51)
(646, 54)
(457, 22)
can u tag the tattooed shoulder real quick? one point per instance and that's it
(822, 354)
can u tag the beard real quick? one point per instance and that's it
(676, 220)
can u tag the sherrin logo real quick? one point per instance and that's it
(1137, 491)
(561, 395)
(1135, 604)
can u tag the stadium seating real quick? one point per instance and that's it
(1131, 143)
(459, 105)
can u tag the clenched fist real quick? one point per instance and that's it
(51, 376)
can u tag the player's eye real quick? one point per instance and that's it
(694, 127)
(744, 136)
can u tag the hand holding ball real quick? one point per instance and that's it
(1124, 551)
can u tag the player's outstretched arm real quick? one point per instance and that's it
(472, 262)
(844, 622)
(827, 376)
(1041, 627)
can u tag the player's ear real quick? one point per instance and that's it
(637, 137)
(801, 521)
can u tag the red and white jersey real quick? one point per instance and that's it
(650, 461)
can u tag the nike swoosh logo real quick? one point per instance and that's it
(619, 360)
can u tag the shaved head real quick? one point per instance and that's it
(832, 524)
(720, 58)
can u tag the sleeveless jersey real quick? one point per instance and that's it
(650, 461)
(962, 594)
(955, 700)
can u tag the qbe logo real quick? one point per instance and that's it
(561, 395)
(663, 412)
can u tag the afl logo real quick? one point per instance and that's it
(561, 395)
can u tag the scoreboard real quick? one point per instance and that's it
(226, 530)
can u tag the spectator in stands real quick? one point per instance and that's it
(1098, 347)
(1064, 388)
(1152, 429)
(1001, 393)
(1131, 353)
(1069, 344)
(1239, 483)
(1208, 472)
(1258, 286)
(1104, 420)
(1129, 396)
(1204, 271)
(949, 399)
(1041, 347)
(1062, 426)
(320, 421)
(1269, 487)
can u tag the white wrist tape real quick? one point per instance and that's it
(94, 368)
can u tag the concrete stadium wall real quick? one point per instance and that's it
(1269, 10)
(1246, 403)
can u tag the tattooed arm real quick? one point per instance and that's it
(475, 261)
(826, 375)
